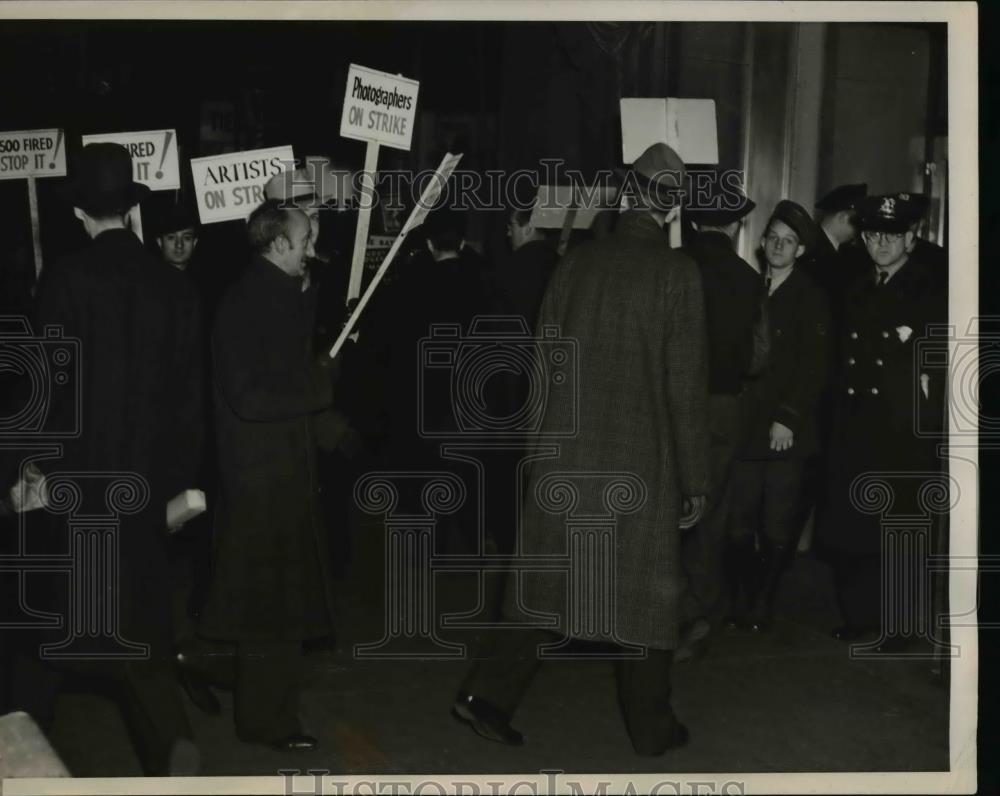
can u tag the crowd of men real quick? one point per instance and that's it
(744, 400)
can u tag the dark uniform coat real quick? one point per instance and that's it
(789, 389)
(270, 570)
(635, 309)
(139, 393)
(879, 399)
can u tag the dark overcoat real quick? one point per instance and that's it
(139, 398)
(270, 578)
(789, 389)
(632, 308)
(733, 295)
(883, 420)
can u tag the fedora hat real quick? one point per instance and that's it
(661, 171)
(102, 181)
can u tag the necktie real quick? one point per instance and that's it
(767, 285)
(882, 277)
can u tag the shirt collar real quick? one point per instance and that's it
(891, 271)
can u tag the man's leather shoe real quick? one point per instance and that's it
(488, 721)
(296, 742)
(196, 686)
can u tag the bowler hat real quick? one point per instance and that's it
(895, 212)
(102, 182)
(796, 217)
(843, 197)
(661, 170)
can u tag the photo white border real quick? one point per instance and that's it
(963, 209)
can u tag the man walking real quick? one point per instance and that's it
(635, 308)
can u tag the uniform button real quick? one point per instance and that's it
(879, 362)
(850, 391)
(885, 335)
(854, 335)
(874, 390)
(850, 360)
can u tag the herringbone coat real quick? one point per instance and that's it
(633, 309)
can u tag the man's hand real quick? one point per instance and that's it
(694, 507)
(782, 437)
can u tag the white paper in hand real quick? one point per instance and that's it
(186, 506)
(30, 492)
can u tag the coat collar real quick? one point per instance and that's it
(639, 224)
(118, 238)
(274, 275)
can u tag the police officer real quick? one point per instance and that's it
(767, 474)
(882, 395)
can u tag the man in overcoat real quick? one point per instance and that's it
(885, 396)
(738, 342)
(767, 474)
(637, 457)
(270, 589)
(137, 321)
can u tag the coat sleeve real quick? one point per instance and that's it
(686, 348)
(249, 383)
(798, 406)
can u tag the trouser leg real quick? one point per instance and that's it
(507, 663)
(267, 689)
(703, 547)
(153, 711)
(782, 489)
(644, 693)
(741, 561)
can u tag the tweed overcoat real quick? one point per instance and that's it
(270, 580)
(637, 416)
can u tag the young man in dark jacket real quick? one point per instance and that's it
(767, 475)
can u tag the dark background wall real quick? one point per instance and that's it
(506, 94)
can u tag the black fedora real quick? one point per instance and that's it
(102, 181)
